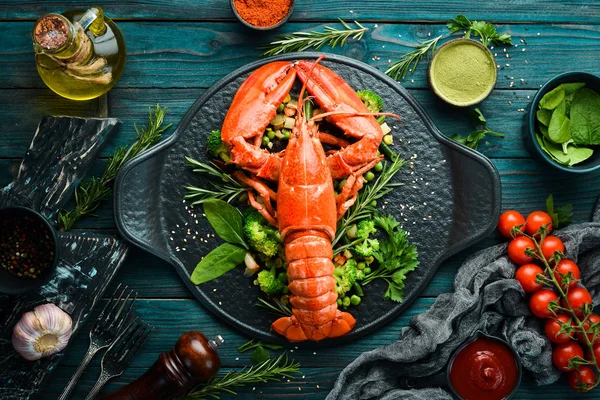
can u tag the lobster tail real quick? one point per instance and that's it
(311, 282)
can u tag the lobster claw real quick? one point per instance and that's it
(334, 94)
(252, 109)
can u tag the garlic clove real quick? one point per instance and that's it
(42, 332)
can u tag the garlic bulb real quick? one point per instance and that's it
(42, 332)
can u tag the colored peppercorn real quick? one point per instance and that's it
(26, 246)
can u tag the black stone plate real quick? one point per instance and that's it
(450, 198)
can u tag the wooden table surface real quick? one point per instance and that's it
(177, 49)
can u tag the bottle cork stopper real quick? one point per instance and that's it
(51, 32)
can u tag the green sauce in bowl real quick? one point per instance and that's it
(462, 72)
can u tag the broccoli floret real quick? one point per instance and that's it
(365, 228)
(216, 147)
(360, 275)
(269, 283)
(367, 247)
(345, 276)
(261, 236)
(372, 100)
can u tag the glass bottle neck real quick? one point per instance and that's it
(55, 35)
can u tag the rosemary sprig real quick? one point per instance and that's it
(89, 195)
(271, 370)
(228, 190)
(364, 206)
(409, 61)
(274, 306)
(299, 41)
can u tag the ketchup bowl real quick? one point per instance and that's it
(483, 367)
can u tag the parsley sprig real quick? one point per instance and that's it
(486, 31)
(300, 41)
(90, 194)
(473, 138)
(396, 257)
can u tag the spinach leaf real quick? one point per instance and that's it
(553, 98)
(226, 221)
(571, 88)
(544, 130)
(216, 263)
(585, 117)
(574, 155)
(543, 116)
(559, 130)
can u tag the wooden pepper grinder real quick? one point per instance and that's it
(194, 359)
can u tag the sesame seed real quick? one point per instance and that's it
(237, 359)
(214, 290)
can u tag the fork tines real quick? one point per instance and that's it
(114, 318)
(129, 342)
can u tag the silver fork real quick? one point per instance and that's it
(120, 354)
(103, 333)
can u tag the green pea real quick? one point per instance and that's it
(378, 166)
(369, 176)
(265, 140)
(282, 277)
(280, 108)
(367, 270)
(286, 134)
(339, 302)
(354, 300)
(270, 134)
(361, 265)
(346, 301)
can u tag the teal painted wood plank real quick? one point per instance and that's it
(323, 377)
(380, 10)
(25, 107)
(198, 54)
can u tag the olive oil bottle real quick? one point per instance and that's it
(79, 54)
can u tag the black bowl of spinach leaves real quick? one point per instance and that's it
(562, 124)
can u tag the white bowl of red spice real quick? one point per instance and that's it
(262, 15)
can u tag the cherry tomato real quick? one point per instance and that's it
(552, 328)
(508, 220)
(578, 297)
(592, 319)
(564, 267)
(563, 352)
(516, 250)
(582, 380)
(538, 303)
(526, 275)
(536, 220)
(551, 244)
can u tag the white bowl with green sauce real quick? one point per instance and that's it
(462, 72)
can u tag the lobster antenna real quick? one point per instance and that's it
(327, 114)
(301, 96)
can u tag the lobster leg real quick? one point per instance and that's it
(264, 193)
(253, 107)
(333, 94)
(354, 183)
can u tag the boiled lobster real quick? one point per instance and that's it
(307, 207)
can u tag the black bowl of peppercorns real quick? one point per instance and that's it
(28, 250)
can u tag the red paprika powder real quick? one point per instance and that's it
(262, 13)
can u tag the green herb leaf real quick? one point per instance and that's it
(394, 293)
(218, 262)
(543, 116)
(226, 221)
(561, 216)
(260, 354)
(559, 130)
(553, 98)
(585, 117)
(473, 138)
(571, 88)
(573, 156)
(300, 41)
(486, 31)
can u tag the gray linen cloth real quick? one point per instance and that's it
(486, 298)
